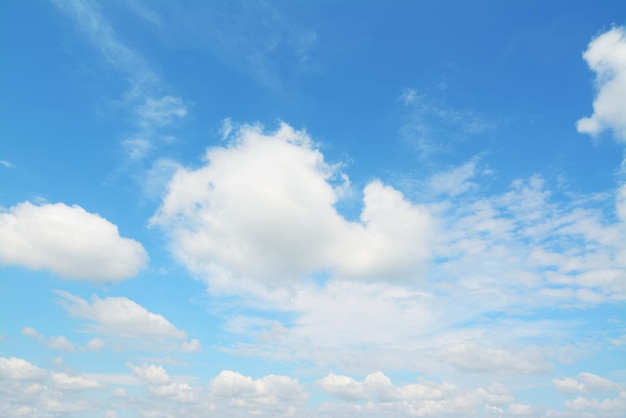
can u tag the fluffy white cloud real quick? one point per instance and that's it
(383, 398)
(585, 382)
(19, 369)
(606, 56)
(609, 407)
(151, 374)
(120, 316)
(262, 208)
(270, 393)
(379, 386)
(68, 241)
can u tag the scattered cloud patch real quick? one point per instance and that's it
(60, 342)
(62, 239)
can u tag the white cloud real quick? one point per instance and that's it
(379, 386)
(383, 398)
(120, 316)
(156, 112)
(68, 241)
(518, 409)
(18, 369)
(87, 16)
(408, 96)
(6, 164)
(152, 110)
(151, 374)
(277, 394)
(66, 382)
(137, 148)
(60, 342)
(191, 346)
(262, 208)
(455, 181)
(585, 382)
(606, 56)
(609, 407)
(481, 359)
(95, 344)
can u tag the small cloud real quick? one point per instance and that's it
(191, 346)
(95, 344)
(160, 112)
(6, 164)
(137, 148)
(408, 96)
(227, 128)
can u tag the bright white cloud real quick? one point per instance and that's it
(68, 241)
(262, 208)
(120, 316)
(606, 56)
(14, 368)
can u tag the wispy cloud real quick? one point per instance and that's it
(434, 126)
(152, 109)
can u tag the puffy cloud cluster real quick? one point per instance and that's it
(383, 398)
(262, 209)
(29, 391)
(68, 241)
(272, 394)
(606, 56)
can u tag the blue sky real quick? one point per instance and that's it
(313, 209)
